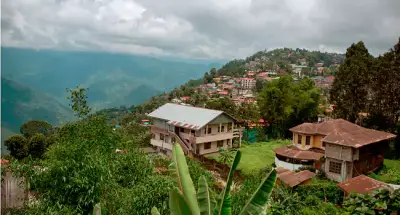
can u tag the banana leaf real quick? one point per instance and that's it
(224, 201)
(180, 174)
(177, 203)
(205, 199)
(154, 211)
(258, 202)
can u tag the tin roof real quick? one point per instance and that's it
(296, 153)
(293, 179)
(361, 184)
(342, 132)
(186, 116)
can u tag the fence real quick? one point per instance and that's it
(13, 192)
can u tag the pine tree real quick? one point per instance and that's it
(351, 89)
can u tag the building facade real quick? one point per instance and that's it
(248, 83)
(342, 149)
(198, 130)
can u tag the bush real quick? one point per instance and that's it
(17, 145)
(325, 190)
(37, 145)
(379, 201)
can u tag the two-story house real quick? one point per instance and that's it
(342, 149)
(198, 130)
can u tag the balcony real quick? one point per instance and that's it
(214, 137)
(161, 144)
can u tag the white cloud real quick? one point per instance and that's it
(205, 29)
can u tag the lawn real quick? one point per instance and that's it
(259, 155)
(392, 164)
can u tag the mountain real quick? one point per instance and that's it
(20, 104)
(112, 78)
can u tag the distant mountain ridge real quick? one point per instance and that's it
(112, 78)
(20, 104)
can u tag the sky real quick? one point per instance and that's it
(209, 29)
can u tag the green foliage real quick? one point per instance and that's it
(17, 145)
(225, 155)
(350, 88)
(181, 196)
(78, 98)
(37, 145)
(323, 189)
(33, 127)
(205, 197)
(284, 103)
(378, 202)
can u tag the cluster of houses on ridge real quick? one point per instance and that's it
(341, 149)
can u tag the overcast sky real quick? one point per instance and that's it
(223, 29)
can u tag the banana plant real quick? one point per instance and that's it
(182, 198)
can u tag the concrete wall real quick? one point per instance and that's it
(287, 165)
(346, 170)
(13, 193)
(223, 118)
(160, 123)
(339, 152)
(214, 148)
(166, 144)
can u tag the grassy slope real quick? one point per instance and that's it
(259, 155)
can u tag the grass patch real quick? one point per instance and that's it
(259, 155)
(392, 164)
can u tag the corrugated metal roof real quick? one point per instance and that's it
(342, 132)
(361, 184)
(185, 116)
(296, 153)
(293, 179)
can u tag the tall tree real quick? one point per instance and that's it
(78, 98)
(350, 90)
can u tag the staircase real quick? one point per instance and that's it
(186, 149)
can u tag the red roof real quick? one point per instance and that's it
(293, 179)
(4, 162)
(342, 132)
(262, 74)
(330, 77)
(223, 93)
(249, 79)
(185, 97)
(296, 153)
(250, 73)
(361, 184)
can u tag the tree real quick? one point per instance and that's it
(223, 104)
(183, 198)
(350, 89)
(259, 85)
(78, 98)
(37, 145)
(17, 145)
(33, 127)
(284, 104)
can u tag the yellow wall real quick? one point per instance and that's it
(315, 140)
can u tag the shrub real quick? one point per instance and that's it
(17, 145)
(380, 201)
(37, 145)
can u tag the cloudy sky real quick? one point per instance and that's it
(216, 29)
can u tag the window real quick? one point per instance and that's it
(219, 129)
(173, 140)
(161, 136)
(299, 139)
(335, 167)
(153, 136)
(209, 131)
(222, 129)
(323, 144)
(220, 143)
(207, 145)
(308, 140)
(192, 131)
(182, 130)
(166, 139)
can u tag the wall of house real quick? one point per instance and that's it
(214, 147)
(345, 173)
(166, 143)
(160, 123)
(315, 141)
(339, 152)
(287, 165)
(223, 118)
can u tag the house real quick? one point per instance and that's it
(348, 149)
(247, 83)
(250, 73)
(361, 184)
(292, 179)
(223, 94)
(198, 130)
